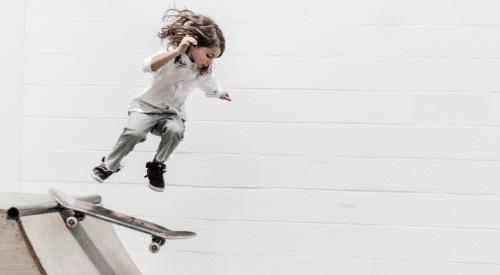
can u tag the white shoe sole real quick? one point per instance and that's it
(156, 188)
(96, 178)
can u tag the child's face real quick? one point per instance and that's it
(203, 56)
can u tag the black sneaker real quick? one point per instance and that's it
(155, 175)
(101, 173)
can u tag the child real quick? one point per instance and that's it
(193, 41)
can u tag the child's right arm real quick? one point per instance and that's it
(153, 63)
(163, 58)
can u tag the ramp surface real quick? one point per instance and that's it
(15, 255)
(41, 244)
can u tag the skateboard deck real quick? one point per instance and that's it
(81, 208)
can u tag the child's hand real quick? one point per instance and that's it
(186, 42)
(225, 96)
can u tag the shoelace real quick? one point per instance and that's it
(105, 170)
(156, 172)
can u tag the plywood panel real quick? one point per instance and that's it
(15, 256)
(55, 246)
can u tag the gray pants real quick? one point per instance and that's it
(167, 125)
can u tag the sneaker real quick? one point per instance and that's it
(100, 173)
(155, 175)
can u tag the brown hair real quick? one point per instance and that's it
(179, 23)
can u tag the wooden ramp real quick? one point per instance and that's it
(41, 244)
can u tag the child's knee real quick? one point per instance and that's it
(174, 129)
(139, 136)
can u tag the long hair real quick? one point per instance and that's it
(179, 23)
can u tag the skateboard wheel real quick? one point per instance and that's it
(154, 247)
(71, 222)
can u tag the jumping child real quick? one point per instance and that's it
(193, 42)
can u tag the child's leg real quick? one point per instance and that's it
(138, 127)
(172, 135)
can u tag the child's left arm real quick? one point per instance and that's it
(208, 84)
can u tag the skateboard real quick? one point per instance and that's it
(81, 208)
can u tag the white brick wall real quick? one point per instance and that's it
(12, 24)
(362, 139)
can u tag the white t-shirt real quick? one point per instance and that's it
(170, 86)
